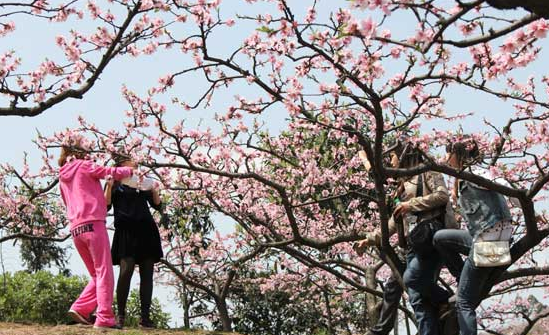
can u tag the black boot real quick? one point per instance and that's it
(121, 321)
(146, 323)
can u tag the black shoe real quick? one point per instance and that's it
(146, 323)
(121, 321)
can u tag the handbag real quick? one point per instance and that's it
(487, 254)
(420, 238)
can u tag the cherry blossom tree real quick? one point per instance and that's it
(122, 28)
(29, 208)
(343, 77)
(202, 262)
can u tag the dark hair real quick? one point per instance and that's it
(466, 150)
(408, 154)
(119, 159)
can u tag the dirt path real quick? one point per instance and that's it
(23, 329)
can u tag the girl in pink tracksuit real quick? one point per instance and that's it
(79, 181)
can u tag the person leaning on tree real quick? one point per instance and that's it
(423, 197)
(488, 219)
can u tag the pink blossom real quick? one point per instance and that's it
(367, 28)
(396, 51)
(311, 15)
(94, 10)
(6, 28)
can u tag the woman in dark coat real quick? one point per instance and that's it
(136, 238)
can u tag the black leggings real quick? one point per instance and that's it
(146, 268)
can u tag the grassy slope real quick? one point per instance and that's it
(23, 329)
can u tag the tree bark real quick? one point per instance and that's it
(226, 323)
(371, 300)
(186, 307)
(539, 7)
(329, 312)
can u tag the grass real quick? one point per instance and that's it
(31, 329)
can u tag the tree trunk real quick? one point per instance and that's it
(224, 315)
(186, 307)
(329, 312)
(371, 300)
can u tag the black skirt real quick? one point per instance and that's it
(139, 241)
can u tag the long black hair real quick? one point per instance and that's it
(407, 152)
(466, 150)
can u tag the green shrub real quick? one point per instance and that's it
(45, 298)
(41, 297)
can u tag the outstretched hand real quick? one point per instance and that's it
(371, 240)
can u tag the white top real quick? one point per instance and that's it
(143, 184)
(501, 231)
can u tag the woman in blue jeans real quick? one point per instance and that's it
(424, 198)
(421, 198)
(488, 219)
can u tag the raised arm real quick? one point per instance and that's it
(108, 192)
(101, 172)
(364, 159)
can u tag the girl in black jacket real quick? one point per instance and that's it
(136, 238)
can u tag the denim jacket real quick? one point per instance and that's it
(482, 208)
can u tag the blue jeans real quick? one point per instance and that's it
(472, 280)
(450, 243)
(392, 292)
(471, 286)
(424, 294)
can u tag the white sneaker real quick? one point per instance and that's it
(77, 317)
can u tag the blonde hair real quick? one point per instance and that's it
(68, 151)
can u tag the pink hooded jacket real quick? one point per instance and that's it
(82, 192)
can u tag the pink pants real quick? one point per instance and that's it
(92, 242)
